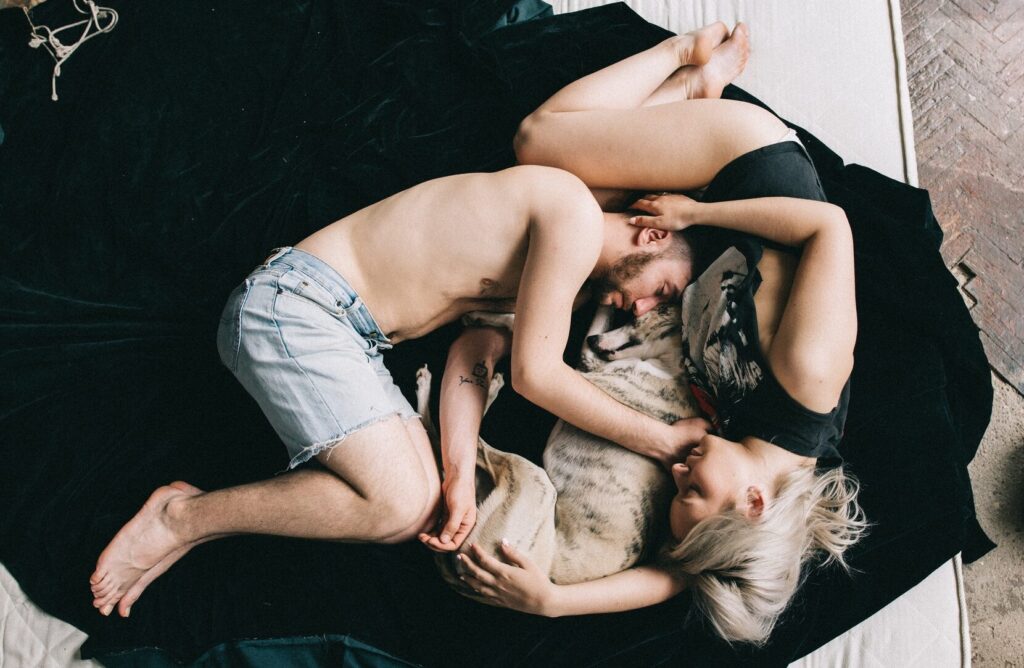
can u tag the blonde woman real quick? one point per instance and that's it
(769, 327)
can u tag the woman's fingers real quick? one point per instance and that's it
(477, 571)
(513, 556)
(648, 203)
(657, 222)
(479, 587)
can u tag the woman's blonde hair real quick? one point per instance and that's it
(742, 573)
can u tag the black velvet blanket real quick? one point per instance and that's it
(197, 136)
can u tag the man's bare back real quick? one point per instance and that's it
(429, 254)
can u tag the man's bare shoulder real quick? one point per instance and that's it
(542, 179)
(553, 196)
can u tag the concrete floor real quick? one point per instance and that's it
(995, 583)
(965, 65)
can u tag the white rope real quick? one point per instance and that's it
(98, 20)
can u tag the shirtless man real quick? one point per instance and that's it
(299, 335)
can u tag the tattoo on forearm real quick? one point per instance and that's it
(479, 376)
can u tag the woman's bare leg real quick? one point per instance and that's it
(627, 83)
(596, 129)
(693, 82)
(689, 82)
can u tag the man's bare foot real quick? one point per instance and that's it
(140, 552)
(727, 62)
(695, 48)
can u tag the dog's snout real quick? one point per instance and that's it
(594, 342)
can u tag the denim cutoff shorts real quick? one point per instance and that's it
(303, 344)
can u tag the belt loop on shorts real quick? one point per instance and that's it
(276, 253)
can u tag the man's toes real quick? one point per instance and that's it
(110, 597)
(124, 607)
(103, 601)
(101, 590)
(132, 595)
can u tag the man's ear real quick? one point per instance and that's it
(647, 236)
(755, 503)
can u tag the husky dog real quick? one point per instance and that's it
(595, 507)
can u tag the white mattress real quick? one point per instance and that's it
(837, 69)
(834, 67)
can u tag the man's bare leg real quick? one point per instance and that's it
(363, 497)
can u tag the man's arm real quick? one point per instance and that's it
(565, 239)
(517, 583)
(464, 388)
(812, 351)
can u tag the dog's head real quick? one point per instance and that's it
(656, 335)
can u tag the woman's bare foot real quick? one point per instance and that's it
(693, 82)
(140, 552)
(695, 48)
(726, 63)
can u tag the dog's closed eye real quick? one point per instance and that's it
(604, 349)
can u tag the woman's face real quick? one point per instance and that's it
(713, 477)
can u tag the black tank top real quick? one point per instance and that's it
(728, 373)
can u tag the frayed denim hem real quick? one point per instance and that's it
(311, 451)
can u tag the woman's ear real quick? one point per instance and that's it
(755, 503)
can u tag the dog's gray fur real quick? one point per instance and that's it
(595, 506)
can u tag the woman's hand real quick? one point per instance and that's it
(518, 584)
(665, 211)
(459, 515)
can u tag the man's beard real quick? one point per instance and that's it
(625, 269)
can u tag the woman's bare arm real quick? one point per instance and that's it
(517, 583)
(812, 352)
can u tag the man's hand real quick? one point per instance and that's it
(459, 516)
(665, 211)
(680, 438)
(516, 583)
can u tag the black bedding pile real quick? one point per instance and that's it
(192, 140)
